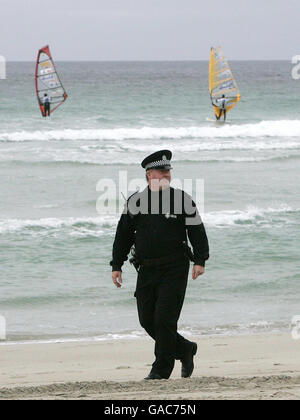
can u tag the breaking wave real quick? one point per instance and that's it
(106, 224)
(263, 129)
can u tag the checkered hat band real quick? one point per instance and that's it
(153, 165)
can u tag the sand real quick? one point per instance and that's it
(238, 367)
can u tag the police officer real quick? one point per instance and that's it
(158, 221)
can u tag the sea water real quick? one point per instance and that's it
(55, 248)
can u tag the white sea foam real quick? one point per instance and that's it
(79, 224)
(98, 226)
(251, 214)
(259, 327)
(263, 129)
(130, 335)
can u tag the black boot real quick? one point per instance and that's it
(188, 361)
(153, 375)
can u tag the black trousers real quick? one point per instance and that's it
(47, 109)
(160, 295)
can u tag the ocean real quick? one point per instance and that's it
(55, 248)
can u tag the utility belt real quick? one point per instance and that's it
(157, 262)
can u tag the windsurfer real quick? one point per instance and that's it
(222, 105)
(221, 83)
(47, 103)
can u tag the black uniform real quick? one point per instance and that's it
(158, 223)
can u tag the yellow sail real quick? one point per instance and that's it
(221, 81)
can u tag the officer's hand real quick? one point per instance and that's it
(198, 270)
(117, 278)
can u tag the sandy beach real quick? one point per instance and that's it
(238, 367)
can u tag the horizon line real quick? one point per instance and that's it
(147, 60)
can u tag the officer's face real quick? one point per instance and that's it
(159, 179)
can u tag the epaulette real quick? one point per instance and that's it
(127, 209)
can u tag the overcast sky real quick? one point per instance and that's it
(150, 29)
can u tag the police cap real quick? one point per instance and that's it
(158, 160)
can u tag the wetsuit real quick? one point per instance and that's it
(222, 102)
(47, 103)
